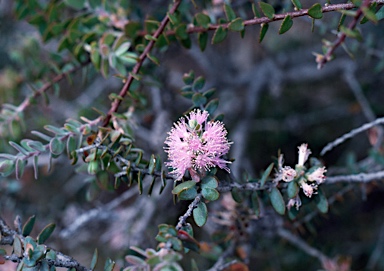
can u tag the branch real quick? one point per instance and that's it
(135, 71)
(356, 178)
(188, 213)
(323, 59)
(277, 17)
(61, 260)
(351, 134)
(298, 242)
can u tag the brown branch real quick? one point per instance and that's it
(323, 59)
(276, 17)
(48, 85)
(116, 103)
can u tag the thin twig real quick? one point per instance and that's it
(276, 17)
(48, 85)
(300, 243)
(321, 61)
(135, 71)
(188, 213)
(356, 178)
(220, 263)
(351, 134)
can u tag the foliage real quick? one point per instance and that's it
(110, 142)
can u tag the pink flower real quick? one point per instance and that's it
(317, 175)
(304, 152)
(288, 174)
(197, 145)
(308, 189)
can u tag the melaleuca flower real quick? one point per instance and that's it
(317, 175)
(288, 174)
(196, 146)
(304, 152)
(308, 180)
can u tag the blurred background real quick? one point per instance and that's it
(273, 98)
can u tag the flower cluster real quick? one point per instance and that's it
(308, 180)
(196, 144)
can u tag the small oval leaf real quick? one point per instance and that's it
(286, 24)
(315, 11)
(28, 226)
(292, 189)
(263, 31)
(219, 35)
(321, 202)
(200, 214)
(210, 194)
(45, 233)
(267, 9)
(183, 186)
(277, 201)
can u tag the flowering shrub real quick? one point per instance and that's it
(89, 90)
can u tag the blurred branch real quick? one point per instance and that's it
(95, 213)
(351, 134)
(378, 250)
(220, 263)
(300, 243)
(135, 71)
(356, 178)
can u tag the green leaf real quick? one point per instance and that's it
(181, 32)
(94, 259)
(76, 4)
(17, 247)
(321, 202)
(20, 166)
(198, 99)
(209, 182)
(277, 201)
(369, 14)
(212, 106)
(219, 35)
(263, 31)
(351, 33)
(183, 186)
(229, 13)
(131, 29)
(56, 146)
(200, 214)
(203, 20)
(297, 4)
(28, 226)
(199, 83)
(236, 25)
(255, 204)
(286, 24)
(202, 38)
(45, 233)
(267, 9)
(188, 78)
(315, 11)
(266, 174)
(109, 265)
(380, 14)
(210, 194)
(188, 194)
(292, 189)
(7, 167)
(255, 11)
(237, 195)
